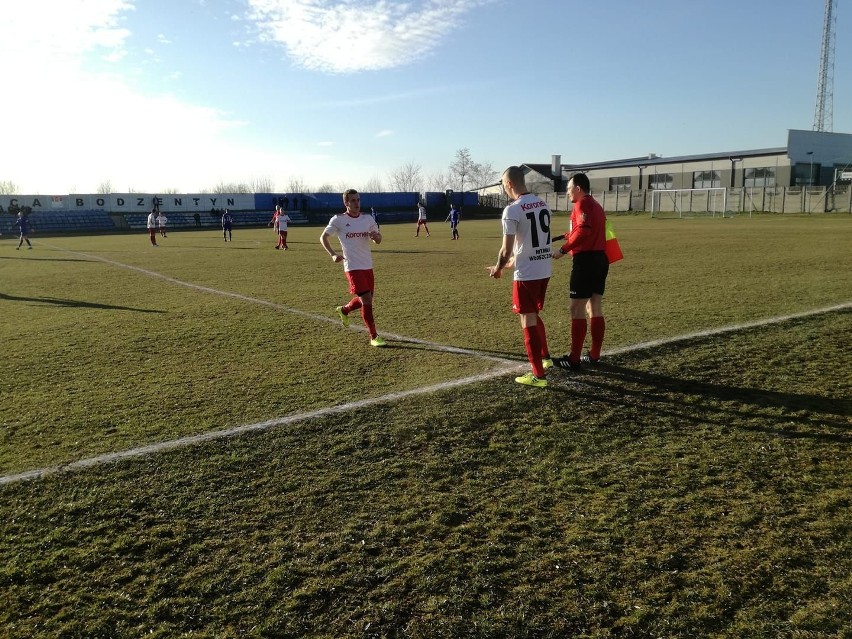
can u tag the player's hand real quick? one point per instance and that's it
(336, 258)
(494, 271)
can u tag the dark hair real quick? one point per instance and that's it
(582, 180)
(347, 193)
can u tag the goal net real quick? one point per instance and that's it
(671, 203)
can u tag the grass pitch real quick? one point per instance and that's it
(699, 488)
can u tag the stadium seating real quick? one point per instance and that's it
(58, 222)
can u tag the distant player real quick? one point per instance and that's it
(526, 243)
(421, 220)
(227, 226)
(23, 223)
(161, 223)
(151, 225)
(453, 219)
(282, 222)
(355, 232)
(274, 223)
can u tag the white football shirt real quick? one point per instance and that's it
(354, 236)
(528, 219)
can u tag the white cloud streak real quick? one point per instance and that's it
(359, 35)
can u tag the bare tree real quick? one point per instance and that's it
(407, 178)
(263, 184)
(170, 191)
(7, 187)
(465, 173)
(105, 187)
(373, 185)
(326, 188)
(297, 185)
(437, 182)
(483, 175)
(231, 187)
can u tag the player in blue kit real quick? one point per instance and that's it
(453, 219)
(24, 225)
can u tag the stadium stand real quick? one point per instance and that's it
(48, 222)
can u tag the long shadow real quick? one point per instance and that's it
(417, 346)
(44, 259)
(659, 394)
(56, 301)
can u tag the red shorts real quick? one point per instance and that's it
(528, 295)
(360, 282)
(419, 222)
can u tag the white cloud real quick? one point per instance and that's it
(74, 128)
(358, 35)
(163, 39)
(325, 144)
(384, 133)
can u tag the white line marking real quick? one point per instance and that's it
(506, 367)
(281, 307)
(727, 329)
(248, 428)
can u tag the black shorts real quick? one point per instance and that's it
(588, 274)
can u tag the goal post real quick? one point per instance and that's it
(686, 203)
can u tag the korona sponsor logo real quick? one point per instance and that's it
(529, 206)
(356, 235)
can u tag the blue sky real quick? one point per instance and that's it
(152, 95)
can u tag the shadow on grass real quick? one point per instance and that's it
(701, 402)
(39, 258)
(418, 346)
(75, 303)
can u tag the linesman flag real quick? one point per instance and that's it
(611, 248)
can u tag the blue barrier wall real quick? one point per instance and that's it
(60, 222)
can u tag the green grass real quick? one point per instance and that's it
(700, 488)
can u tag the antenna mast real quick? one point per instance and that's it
(824, 113)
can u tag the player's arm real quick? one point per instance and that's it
(326, 244)
(375, 234)
(558, 252)
(505, 257)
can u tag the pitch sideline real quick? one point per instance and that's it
(506, 366)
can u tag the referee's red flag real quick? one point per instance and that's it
(611, 248)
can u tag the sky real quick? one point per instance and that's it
(181, 95)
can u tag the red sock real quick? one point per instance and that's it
(533, 346)
(598, 329)
(542, 338)
(353, 305)
(367, 314)
(578, 336)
